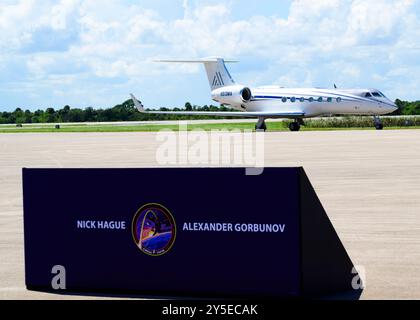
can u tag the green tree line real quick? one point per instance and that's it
(407, 108)
(127, 112)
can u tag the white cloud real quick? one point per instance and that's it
(106, 45)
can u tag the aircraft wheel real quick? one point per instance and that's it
(294, 126)
(378, 123)
(262, 127)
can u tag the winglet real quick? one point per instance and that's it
(137, 103)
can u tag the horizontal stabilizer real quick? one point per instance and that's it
(217, 73)
(204, 60)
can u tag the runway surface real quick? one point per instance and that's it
(368, 182)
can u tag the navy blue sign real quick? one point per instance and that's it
(167, 231)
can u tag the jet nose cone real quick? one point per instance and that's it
(394, 106)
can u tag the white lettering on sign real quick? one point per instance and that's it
(107, 225)
(230, 227)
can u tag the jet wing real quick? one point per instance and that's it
(246, 114)
(232, 114)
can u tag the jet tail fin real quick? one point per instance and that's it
(217, 73)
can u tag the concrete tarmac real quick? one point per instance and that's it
(368, 182)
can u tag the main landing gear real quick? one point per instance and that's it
(261, 126)
(378, 123)
(295, 126)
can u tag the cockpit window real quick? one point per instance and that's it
(368, 95)
(376, 94)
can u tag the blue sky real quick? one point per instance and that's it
(94, 53)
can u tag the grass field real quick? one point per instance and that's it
(272, 126)
(314, 124)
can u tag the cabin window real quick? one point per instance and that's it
(293, 99)
(284, 99)
(311, 99)
(339, 99)
(329, 99)
(302, 99)
(320, 99)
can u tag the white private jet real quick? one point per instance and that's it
(278, 102)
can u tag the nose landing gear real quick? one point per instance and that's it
(378, 123)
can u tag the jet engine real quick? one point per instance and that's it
(232, 95)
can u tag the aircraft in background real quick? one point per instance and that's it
(278, 102)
